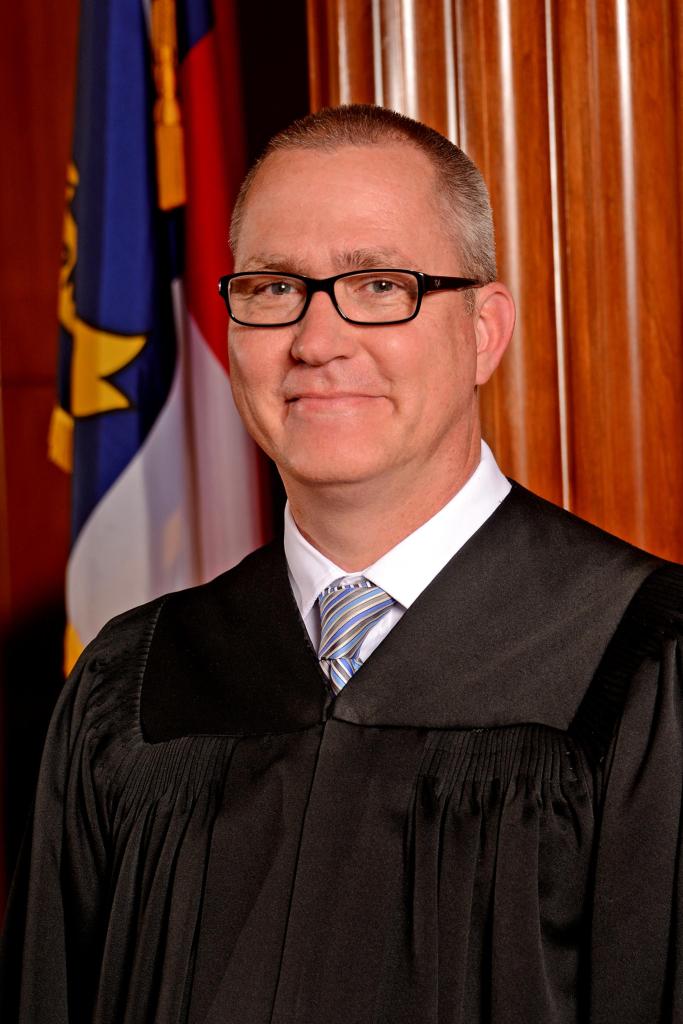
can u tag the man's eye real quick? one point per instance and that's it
(382, 286)
(274, 288)
(379, 286)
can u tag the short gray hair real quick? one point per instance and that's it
(463, 191)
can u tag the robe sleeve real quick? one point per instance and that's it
(637, 931)
(52, 942)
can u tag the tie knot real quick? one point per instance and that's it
(347, 613)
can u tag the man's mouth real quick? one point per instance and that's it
(329, 401)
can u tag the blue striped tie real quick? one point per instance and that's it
(347, 613)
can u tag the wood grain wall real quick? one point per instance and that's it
(573, 109)
(37, 75)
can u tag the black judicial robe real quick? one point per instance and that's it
(483, 826)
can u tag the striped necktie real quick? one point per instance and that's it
(347, 614)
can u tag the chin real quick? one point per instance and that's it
(335, 469)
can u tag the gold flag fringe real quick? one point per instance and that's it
(168, 129)
(60, 439)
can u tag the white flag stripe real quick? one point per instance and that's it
(225, 462)
(194, 477)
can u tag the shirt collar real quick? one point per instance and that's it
(410, 566)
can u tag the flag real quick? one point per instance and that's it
(166, 486)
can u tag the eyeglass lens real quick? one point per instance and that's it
(368, 297)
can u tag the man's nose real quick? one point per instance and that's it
(322, 335)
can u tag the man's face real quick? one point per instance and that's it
(329, 401)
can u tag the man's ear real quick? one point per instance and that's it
(494, 321)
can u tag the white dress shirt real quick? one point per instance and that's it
(405, 570)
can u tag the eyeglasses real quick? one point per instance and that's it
(364, 297)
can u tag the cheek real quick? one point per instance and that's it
(454, 356)
(249, 380)
(254, 366)
(437, 361)
(239, 374)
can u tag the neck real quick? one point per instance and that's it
(355, 524)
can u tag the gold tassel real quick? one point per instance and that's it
(168, 129)
(60, 439)
(73, 648)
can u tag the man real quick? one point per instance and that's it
(422, 764)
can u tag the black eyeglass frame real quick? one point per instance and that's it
(425, 283)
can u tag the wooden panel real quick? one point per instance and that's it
(395, 52)
(414, 48)
(504, 127)
(340, 52)
(621, 214)
(574, 112)
(37, 68)
(37, 73)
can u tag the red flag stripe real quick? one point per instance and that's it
(212, 184)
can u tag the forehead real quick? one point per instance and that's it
(314, 204)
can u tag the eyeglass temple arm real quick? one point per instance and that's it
(435, 284)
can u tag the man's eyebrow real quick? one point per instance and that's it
(274, 261)
(347, 259)
(366, 259)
